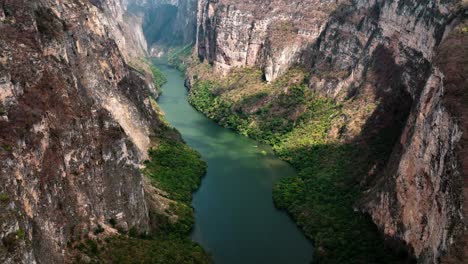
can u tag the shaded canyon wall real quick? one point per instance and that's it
(396, 54)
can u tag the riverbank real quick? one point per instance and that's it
(303, 129)
(235, 218)
(173, 173)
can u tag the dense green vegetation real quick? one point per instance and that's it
(126, 250)
(158, 77)
(297, 123)
(167, 250)
(276, 113)
(175, 168)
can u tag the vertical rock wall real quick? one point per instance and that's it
(72, 136)
(166, 24)
(125, 27)
(269, 34)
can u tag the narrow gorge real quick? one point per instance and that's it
(366, 100)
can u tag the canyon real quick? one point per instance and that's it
(76, 126)
(379, 61)
(366, 99)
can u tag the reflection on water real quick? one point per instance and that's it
(236, 220)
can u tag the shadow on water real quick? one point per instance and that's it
(236, 220)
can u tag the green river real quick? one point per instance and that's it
(235, 219)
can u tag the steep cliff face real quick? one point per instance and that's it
(125, 27)
(451, 59)
(377, 59)
(269, 34)
(166, 23)
(423, 197)
(72, 136)
(420, 201)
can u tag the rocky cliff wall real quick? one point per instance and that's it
(422, 198)
(72, 137)
(166, 23)
(125, 27)
(362, 54)
(270, 34)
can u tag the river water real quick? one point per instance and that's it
(235, 219)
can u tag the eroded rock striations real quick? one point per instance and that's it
(75, 125)
(269, 34)
(393, 54)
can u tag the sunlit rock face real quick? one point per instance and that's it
(271, 34)
(389, 52)
(75, 125)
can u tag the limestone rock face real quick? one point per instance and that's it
(125, 27)
(420, 197)
(387, 51)
(75, 125)
(269, 34)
